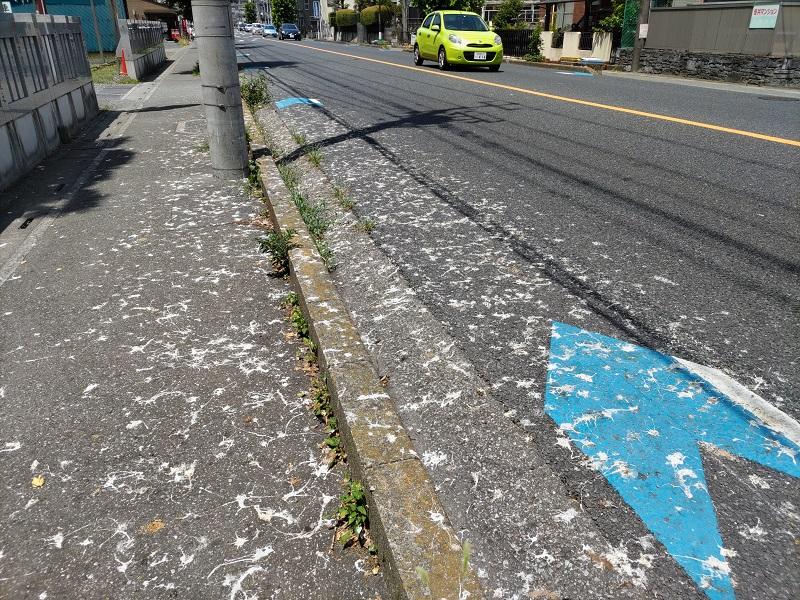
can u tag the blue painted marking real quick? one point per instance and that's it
(577, 73)
(639, 417)
(286, 102)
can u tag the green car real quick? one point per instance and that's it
(456, 37)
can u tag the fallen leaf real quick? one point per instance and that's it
(376, 570)
(37, 481)
(154, 526)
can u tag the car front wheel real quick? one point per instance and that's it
(417, 56)
(442, 59)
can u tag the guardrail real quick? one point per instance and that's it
(143, 45)
(46, 91)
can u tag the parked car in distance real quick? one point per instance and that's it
(248, 26)
(288, 31)
(257, 28)
(240, 25)
(457, 37)
(270, 31)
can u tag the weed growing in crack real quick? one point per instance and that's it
(255, 91)
(299, 139)
(320, 396)
(290, 176)
(352, 515)
(314, 155)
(366, 225)
(203, 147)
(196, 69)
(277, 244)
(317, 221)
(340, 194)
(253, 184)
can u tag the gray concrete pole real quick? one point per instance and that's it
(219, 78)
(638, 44)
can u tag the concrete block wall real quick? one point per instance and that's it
(27, 139)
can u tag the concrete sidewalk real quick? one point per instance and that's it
(154, 437)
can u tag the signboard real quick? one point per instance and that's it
(315, 9)
(643, 30)
(764, 16)
(5, 7)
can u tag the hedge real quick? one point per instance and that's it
(369, 16)
(346, 18)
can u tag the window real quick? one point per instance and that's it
(427, 22)
(463, 22)
(436, 20)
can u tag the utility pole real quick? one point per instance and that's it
(219, 79)
(638, 44)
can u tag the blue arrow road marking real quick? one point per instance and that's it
(639, 416)
(286, 102)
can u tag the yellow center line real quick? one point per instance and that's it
(611, 107)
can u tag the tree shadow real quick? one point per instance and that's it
(61, 176)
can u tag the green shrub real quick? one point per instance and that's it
(535, 45)
(255, 91)
(346, 18)
(369, 16)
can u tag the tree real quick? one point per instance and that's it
(284, 11)
(428, 6)
(249, 12)
(613, 22)
(184, 8)
(508, 15)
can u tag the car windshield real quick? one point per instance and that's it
(289, 27)
(464, 23)
(269, 26)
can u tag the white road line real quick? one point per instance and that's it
(777, 420)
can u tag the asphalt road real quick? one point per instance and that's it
(507, 206)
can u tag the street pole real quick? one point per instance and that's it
(644, 17)
(219, 79)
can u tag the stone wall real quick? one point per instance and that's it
(739, 68)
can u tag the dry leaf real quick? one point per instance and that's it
(154, 526)
(37, 481)
(376, 570)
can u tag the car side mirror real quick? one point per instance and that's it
(435, 28)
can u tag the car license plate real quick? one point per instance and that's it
(480, 56)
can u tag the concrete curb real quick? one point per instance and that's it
(557, 66)
(407, 519)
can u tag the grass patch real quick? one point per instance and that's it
(290, 176)
(255, 91)
(340, 194)
(314, 155)
(252, 186)
(366, 225)
(299, 139)
(196, 69)
(109, 73)
(277, 245)
(203, 147)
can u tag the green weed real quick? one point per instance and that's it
(314, 155)
(277, 244)
(299, 139)
(203, 147)
(366, 225)
(290, 176)
(352, 514)
(255, 91)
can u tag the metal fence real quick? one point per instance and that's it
(516, 42)
(38, 52)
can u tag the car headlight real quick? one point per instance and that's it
(455, 39)
(498, 40)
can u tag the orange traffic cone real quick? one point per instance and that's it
(123, 66)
